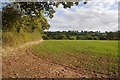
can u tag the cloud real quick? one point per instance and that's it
(95, 16)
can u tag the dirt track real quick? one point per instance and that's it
(28, 65)
(13, 50)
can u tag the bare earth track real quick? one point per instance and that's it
(28, 65)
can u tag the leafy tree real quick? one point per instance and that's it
(95, 38)
(103, 37)
(110, 35)
(78, 38)
(90, 38)
(9, 17)
(12, 20)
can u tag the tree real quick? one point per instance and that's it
(90, 38)
(110, 35)
(103, 37)
(9, 17)
(78, 38)
(13, 20)
(95, 38)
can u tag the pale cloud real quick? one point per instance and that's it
(93, 16)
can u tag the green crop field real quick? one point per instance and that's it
(99, 56)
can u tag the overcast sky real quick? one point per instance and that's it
(94, 16)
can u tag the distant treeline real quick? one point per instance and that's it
(83, 35)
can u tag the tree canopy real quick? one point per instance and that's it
(37, 8)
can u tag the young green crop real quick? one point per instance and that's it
(98, 56)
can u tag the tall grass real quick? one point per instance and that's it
(14, 39)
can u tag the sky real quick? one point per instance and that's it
(99, 15)
(96, 15)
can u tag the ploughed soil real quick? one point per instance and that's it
(28, 65)
(24, 64)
